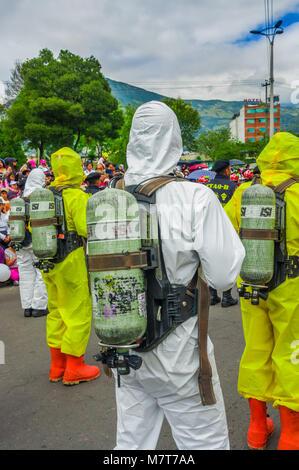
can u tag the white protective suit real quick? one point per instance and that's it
(33, 292)
(194, 227)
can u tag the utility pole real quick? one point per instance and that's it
(266, 85)
(270, 33)
(271, 133)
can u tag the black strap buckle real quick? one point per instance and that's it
(292, 267)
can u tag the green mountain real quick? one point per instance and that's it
(213, 113)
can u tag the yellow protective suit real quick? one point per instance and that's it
(69, 302)
(269, 368)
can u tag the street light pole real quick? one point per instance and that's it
(266, 84)
(270, 33)
(271, 129)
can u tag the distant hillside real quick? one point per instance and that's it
(214, 113)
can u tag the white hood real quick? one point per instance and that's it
(155, 144)
(35, 180)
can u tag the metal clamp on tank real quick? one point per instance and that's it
(44, 265)
(257, 293)
(122, 362)
(152, 257)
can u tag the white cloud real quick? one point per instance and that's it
(188, 41)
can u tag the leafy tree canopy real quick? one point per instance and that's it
(10, 146)
(189, 121)
(117, 148)
(219, 144)
(60, 100)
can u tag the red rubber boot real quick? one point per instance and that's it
(58, 364)
(289, 436)
(261, 426)
(77, 371)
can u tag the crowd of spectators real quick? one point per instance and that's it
(96, 178)
(12, 184)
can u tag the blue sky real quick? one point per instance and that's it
(288, 19)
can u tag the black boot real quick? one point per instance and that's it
(28, 312)
(39, 313)
(228, 300)
(214, 298)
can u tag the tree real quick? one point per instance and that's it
(214, 144)
(15, 84)
(189, 121)
(10, 146)
(62, 100)
(118, 147)
(219, 144)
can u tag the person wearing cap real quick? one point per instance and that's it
(93, 181)
(224, 189)
(31, 164)
(49, 177)
(43, 165)
(14, 190)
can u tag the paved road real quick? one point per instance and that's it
(36, 414)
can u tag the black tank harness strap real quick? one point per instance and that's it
(285, 266)
(180, 302)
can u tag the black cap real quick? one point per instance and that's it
(221, 165)
(92, 177)
(256, 170)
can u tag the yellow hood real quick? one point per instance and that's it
(280, 159)
(67, 168)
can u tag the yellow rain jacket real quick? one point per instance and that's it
(269, 368)
(69, 302)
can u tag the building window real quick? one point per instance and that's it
(251, 111)
(262, 120)
(251, 139)
(251, 130)
(260, 110)
(262, 129)
(251, 121)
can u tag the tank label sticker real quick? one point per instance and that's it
(17, 210)
(50, 237)
(142, 304)
(256, 212)
(42, 206)
(15, 229)
(113, 230)
(116, 295)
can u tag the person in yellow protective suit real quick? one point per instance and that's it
(269, 368)
(69, 302)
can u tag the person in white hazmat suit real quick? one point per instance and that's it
(166, 385)
(33, 293)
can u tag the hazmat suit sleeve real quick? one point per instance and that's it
(216, 242)
(233, 207)
(76, 213)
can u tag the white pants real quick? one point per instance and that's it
(33, 292)
(167, 385)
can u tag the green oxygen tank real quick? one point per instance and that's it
(17, 220)
(42, 220)
(258, 211)
(118, 295)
